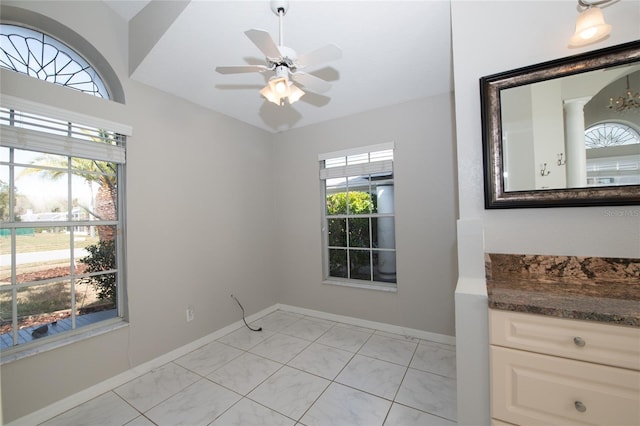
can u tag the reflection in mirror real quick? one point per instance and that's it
(564, 132)
(572, 132)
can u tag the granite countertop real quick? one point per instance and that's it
(611, 302)
(603, 297)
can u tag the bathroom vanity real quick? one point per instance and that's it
(564, 337)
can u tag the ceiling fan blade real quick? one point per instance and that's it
(311, 82)
(328, 53)
(242, 69)
(264, 42)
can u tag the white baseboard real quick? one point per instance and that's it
(96, 390)
(76, 399)
(389, 328)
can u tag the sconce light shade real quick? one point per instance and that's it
(590, 27)
(279, 89)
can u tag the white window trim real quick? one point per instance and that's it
(19, 138)
(355, 151)
(328, 173)
(21, 104)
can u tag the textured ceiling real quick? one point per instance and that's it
(392, 52)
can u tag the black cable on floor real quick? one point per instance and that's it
(245, 321)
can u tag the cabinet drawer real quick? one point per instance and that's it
(529, 388)
(583, 340)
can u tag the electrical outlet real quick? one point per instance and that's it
(190, 314)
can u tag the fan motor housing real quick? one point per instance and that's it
(278, 6)
(288, 58)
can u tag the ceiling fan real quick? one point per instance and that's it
(285, 63)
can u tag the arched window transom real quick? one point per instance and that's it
(36, 54)
(610, 134)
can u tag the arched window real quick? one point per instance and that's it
(613, 154)
(610, 134)
(61, 180)
(36, 54)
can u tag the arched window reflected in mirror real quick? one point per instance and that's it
(612, 154)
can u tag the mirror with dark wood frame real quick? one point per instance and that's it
(565, 132)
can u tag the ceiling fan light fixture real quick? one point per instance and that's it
(295, 93)
(280, 88)
(285, 64)
(590, 27)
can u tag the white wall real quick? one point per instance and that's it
(196, 228)
(216, 207)
(512, 35)
(490, 37)
(425, 215)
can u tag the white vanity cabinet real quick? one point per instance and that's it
(552, 371)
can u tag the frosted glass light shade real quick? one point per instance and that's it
(295, 93)
(590, 27)
(280, 89)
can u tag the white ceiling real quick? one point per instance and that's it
(392, 52)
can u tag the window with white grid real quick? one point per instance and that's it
(61, 212)
(358, 220)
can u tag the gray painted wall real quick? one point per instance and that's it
(195, 188)
(426, 211)
(215, 206)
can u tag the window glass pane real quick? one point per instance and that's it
(93, 303)
(40, 123)
(360, 264)
(337, 232)
(381, 155)
(336, 203)
(382, 194)
(42, 305)
(383, 232)
(98, 262)
(44, 194)
(4, 194)
(359, 232)
(42, 253)
(360, 201)
(358, 159)
(335, 162)
(335, 185)
(94, 193)
(6, 324)
(23, 156)
(338, 263)
(384, 266)
(5, 257)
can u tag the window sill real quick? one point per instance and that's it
(385, 287)
(31, 349)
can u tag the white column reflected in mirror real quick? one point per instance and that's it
(576, 152)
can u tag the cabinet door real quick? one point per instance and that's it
(614, 345)
(535, 389)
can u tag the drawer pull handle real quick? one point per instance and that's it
(579, 341)
(580, 406)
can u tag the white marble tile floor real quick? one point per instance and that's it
(298, 371)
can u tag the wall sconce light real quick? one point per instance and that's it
(590, 25)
